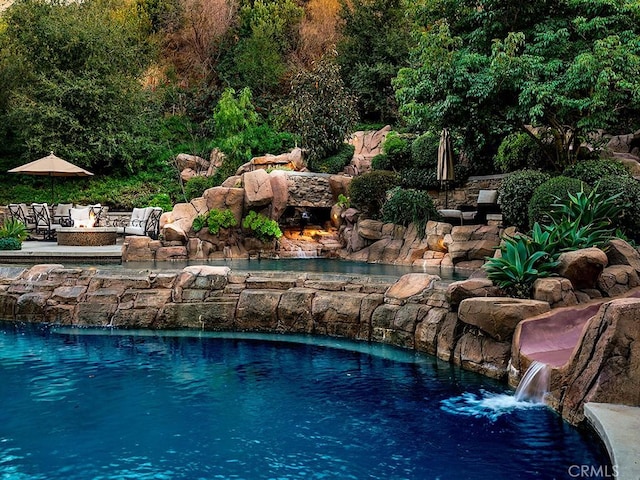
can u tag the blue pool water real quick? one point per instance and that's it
(94, 404)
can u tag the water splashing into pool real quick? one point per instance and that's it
(529, 394)
(534, 384)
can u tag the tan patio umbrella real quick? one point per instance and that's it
(51, 166)
(445, 164)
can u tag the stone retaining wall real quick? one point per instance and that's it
(418, 311)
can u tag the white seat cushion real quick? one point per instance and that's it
(487, 196)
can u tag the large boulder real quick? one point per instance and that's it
(257, 189)
(339, 185)
(499, 316)
(226, 198)
(182, 216)
(620, 252)
(172, 232)
(193, 162)
(582, 267)
(471, 288)
(556, 291)
(606, 367)
(280, 190)
(370, 229)
(410, 285)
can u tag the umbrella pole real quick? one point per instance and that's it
(446, 194)
(53, 200)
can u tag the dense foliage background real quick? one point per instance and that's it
(121, 86)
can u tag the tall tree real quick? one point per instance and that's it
(566, 67)
(79, 93)
(374, 46)
(321, 111)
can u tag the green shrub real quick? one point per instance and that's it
(215, 219)
(10, 243)
(343, 201)
(368, 192)
(161, 200)
(515, 194)
(628, 189)
(419, 178)
(553, 191)
(519, 151)
(397, 148)
(519, 266)
(591, 171)
(12, 228)
(199, 222)
(406, 206)
(262, 227)
(335, 163)
(196, 186)
(424, 151)
(381, 162)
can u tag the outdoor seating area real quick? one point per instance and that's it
(44, 222)
(486, 208)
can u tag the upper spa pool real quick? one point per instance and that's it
(108, 404)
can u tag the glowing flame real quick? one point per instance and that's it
(89, 223)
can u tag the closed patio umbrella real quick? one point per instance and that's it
(51, 166)
(445, 163)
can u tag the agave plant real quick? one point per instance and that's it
(520, 264)
(591, 208)
(12, 228)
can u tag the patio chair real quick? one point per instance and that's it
(20, 212)
(143, 222)
(79, 217)
(43, 221)
(487, 203)
(61, 214)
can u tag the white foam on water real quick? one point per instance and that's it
(485, 405)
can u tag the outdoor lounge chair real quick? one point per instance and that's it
(144, 222)
(61, 214)
(43, 221)
(79, 216)
(20, 212)
(487, 203)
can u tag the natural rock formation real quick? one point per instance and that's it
(367, 145)
(556, 291)
(582, 267)
(486, 347)
(606, 366)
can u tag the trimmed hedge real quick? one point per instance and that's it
(406, 206)
(368, 192)
(515, 194)
(335, 163)
(591, 171)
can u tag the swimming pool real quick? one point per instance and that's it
(107, 404)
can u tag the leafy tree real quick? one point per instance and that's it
(320, 110)
(78, 91)
(267, 33)
(374, 46)
(566, 67)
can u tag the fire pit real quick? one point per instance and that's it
(87, 236)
